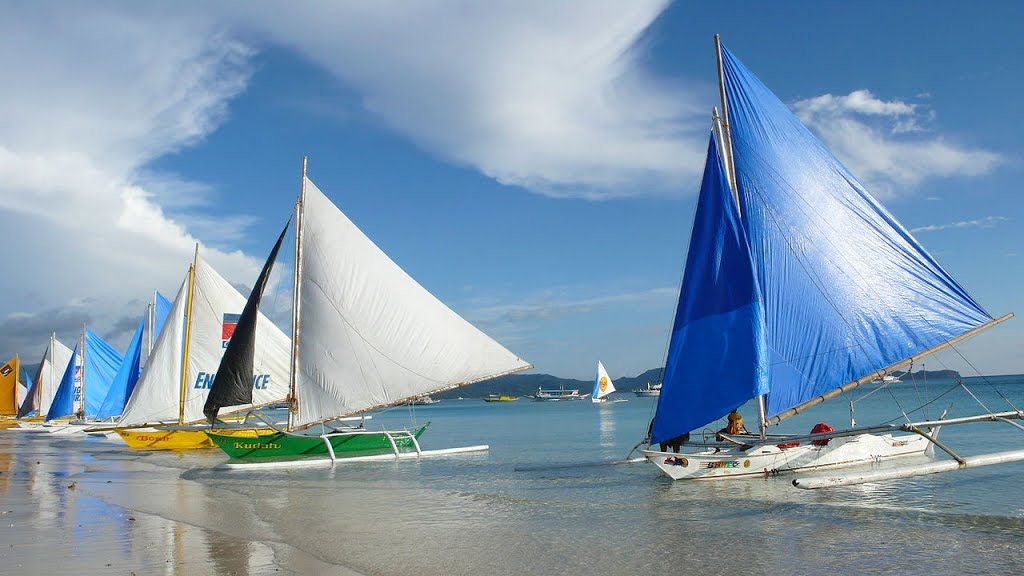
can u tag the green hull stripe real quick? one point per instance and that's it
(278, 445)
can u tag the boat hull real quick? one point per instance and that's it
(155, 439)
(771, 459)
(282, 445)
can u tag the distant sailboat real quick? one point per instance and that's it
(603, 386)
(85, 384)
(780, 303)
(367, 336)
(40, 394)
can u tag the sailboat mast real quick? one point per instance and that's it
(81, 406)
(293, 401)
(188, 336)
(726, 133)
(152, 322)
(730, 165)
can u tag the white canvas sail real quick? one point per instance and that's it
(215, 307)
(157, 394)
(370, 335)
(603, 385)
(55, 361)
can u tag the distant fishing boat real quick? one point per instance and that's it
(650, 391)
(500, 398)
(424, 400)
(603, 387)
(552, 395)
(780, 303)
(366, 336)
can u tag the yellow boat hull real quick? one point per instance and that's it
(152, 439)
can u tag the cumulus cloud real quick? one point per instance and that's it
(94, 93)
(887, 144)
(545, 95)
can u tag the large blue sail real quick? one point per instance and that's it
(63, 403)
(847, 290)
(717, 349)
(125, 379)
(102, 362)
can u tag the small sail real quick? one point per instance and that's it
(154, 325)
(233, 384)
(67, 399)
(370, 335)
(716, 351)
(847, 290)
(24, 387)
(44, 386)
(125, 379)
(603, 385)
(157, 394)
(9, 387)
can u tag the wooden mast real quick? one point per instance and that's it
(293, 401)
(188, 336)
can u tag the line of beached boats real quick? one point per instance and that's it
(779, 304)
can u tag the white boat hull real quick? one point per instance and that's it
(770, 459)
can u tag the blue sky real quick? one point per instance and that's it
(532, 164)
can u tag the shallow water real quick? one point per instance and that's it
(533, 504)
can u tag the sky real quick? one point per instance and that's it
(532, 164)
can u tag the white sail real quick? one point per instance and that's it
(603, 385)
(157, 394)
(370, 335)
(51, 370)
(215, 307)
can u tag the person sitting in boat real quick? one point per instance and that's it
(735, 425)
(673, 443)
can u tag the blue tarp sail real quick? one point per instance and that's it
(162, 309)
(127, 375)
(719, 319)
(101, 365)
(69, 391)
(845, 289)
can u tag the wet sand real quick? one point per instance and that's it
(87, 506)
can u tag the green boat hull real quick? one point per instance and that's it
(283, 445)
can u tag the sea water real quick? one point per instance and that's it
(544, 499)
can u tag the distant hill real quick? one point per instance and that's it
(527, 384)
(930, 374)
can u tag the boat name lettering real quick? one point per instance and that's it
(152, 438)
(728, 464)
(204, 381)
(256, 445)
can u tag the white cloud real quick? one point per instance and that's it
(986, 222)
(887, 143)
(546, 95)
(94, 92)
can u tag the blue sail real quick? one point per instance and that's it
(717, 349)
(162, 310)
(847, 290)
(63, 403)
(102, 362)
(125, 379)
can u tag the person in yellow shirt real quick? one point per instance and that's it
(735, 425)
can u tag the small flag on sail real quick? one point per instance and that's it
(228, 330)
(5, 370)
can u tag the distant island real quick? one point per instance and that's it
(527, 384)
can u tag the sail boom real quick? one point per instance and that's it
(408, 398)
(864, 379)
